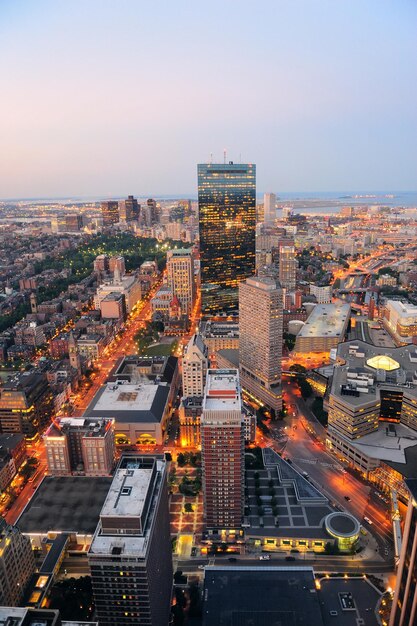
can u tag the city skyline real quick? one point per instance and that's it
(326, 100)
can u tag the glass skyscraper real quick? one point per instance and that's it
(227, 204)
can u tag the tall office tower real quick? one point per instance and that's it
(129, 209)
(130, 556)
(194, 367)
(80, 444)
(404, 606)
(270, 212)
(222, 451)
(287, 267)
(110, 212)
(150, 214)
(17, 564)
(227, 206)
(260, 339)
(180, 270)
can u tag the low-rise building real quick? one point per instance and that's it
(324, 329)
(400, 319)
(222, 335)
(26, 403)
(323, 295)
(80, 445)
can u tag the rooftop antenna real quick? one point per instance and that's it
(240, 157)
(224, 156)
(211, 157)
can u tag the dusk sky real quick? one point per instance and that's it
(110, 97)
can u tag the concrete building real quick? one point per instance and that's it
(194, 367)
(17, 564)
(113, 306)
(324, 329)
(129, 286)
(222, 449)
(323, 295)
(287, 267)
(110, 212)
(91, 346)
(222, 335)
(129, 209)
(130, 556)
(80, 445)
(260, 340)
(190, 418)
(373, 406)
(139, 397)
(15, 616)
(404, 606)
(26, 404)
(180, 274)
(270, 211)
(400, 319)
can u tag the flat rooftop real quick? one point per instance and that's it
(128, 491)
(222, 392)
(325, 320)
(364, 370)
(66, 504)
(142, 402)
(260, 596)
(364, 596)
(132, 543)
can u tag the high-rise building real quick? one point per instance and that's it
(129, 209)
(194, 367)
(227, 208)
(17, 564)
(113, 306)
(404, 606)
(180, 271)
(150, 213)
(110, 212)
(287, 267)
(130, 556)
(222, 451)
(26, 404)
(80, 444)
(260, 339)
(270, 211)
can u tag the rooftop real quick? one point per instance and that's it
(260, 596)
(222, 391)
(142, 402)
(325, 320)
(66, 504)
(363, 370)
(128, 492)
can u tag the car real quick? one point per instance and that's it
(347, 498)
(370, 522)
(201, 567)
(290, 558)
(265, 557)
(232, 559)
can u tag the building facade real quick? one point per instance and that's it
(260, 340)
(110, 212)
(287, 267)
(180, 272)
(17, 564)
(130, 556)
(227, 216)
(404, 606)
(222, 451)
(80, 445)
(194, 367)
(270, 211)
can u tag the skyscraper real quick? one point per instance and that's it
(194, 367)
(404, 606)
(260, 339)
(287, 267)
(17, 564)
(270, 203)
(129, 209)
(227, 206)
(222, 451)
(180, 270)
(130, 556)
(110, 212)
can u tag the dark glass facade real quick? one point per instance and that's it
(227, 206)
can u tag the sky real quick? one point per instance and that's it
(111, 97)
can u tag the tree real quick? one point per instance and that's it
(296, 367)
(181, 459)
(188, 508)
